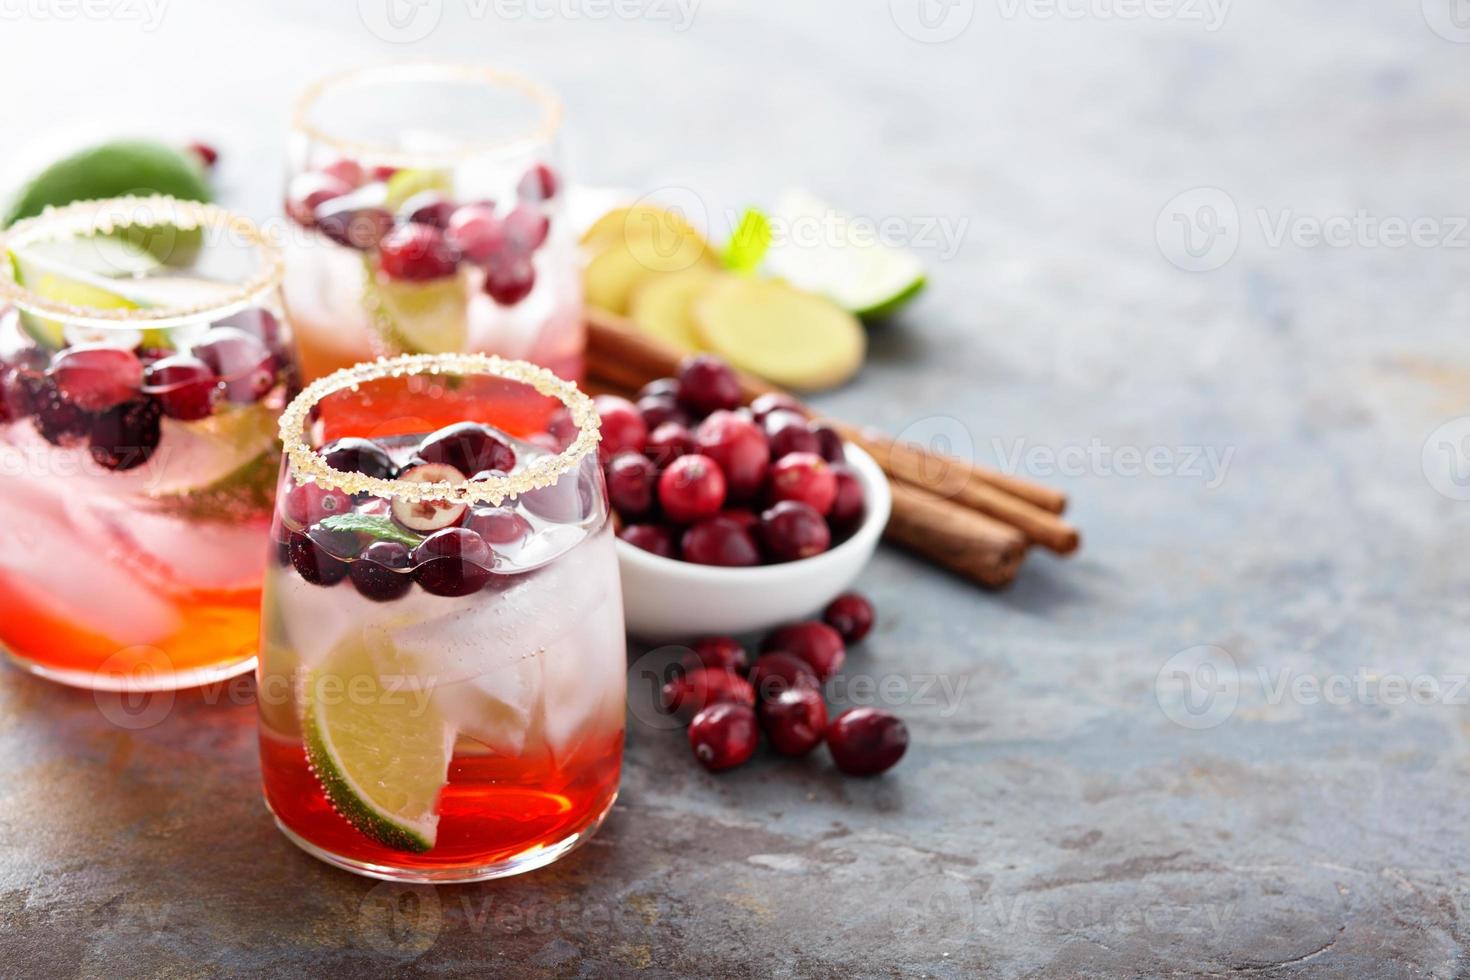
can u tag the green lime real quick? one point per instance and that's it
(418, 317)
(406, 183)
(376, 742)
(112, 170)
(78, 272)
(246, 492)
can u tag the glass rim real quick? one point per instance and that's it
(546, 128)
(105, 215)
(307, 465)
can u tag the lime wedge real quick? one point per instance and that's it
(246, 492)
(406, 183)
(78, 272)
(419, 317)
(859, 273)
(222, 467)
(379, 747)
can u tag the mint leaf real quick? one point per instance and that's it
(381, 528)
(748, 243)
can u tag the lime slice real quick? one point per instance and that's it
(223, 466)
(241, 494)
(859, 273)
(78, 272)
(111, 170)
(418, 317)
(406, 183)
(379, 747)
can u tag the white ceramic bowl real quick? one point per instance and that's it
(664, 599)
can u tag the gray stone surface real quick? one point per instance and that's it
(1057, 816)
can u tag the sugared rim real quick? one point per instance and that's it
(102, 217)
(308, 466)
(545, 129)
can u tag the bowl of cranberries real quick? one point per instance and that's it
(732, 518)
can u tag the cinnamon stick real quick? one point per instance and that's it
(964, 541)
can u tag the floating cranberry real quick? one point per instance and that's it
(498, 525)
(562, 427)
(539, 183)
(94, 377)
(477, 232)
(58, 420)
(510, 279)
(851, 615)
(362, 228)
(794, 720)
(309, 191)
(668, 442)
(631, 484)
(353, 455)
(468, 447)
(653, 538)
(848, 504)
(775, 401)
(307, 503)
(241, 361)
(660, 386)
(349, 172)
(776, 671)
(416, 253)
(381, 572)
(866, 741)
(817, 643)
(622, 427)
(428, 516)
(697, 689)
(207, 154)
(452, 562)
(526, 229)
(706, 384)
(691, 489)
(383, 172)
(738, 446)
(829, 443)
(805, 478)
(429, 208)
(125, 435)
(721, 541)
(256, 321)
(723, 736)
(717, 653)
(658, 409)
(792, 530)
(185, 386)
(314, 563)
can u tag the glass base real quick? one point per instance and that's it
(528, 860)
(128, 684)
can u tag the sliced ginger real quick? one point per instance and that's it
(663, 306)
(770, 328)
(623, 264)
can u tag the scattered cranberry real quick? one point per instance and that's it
(788, 433)
(498, 525)
(707, 384)
(829, 443)
(668, 442)
(691, 489)
(126, 435)
(526, 229)
(723, 736)
(452, 562)
(468, 447)
(660, 386)
(428, 516)
(848, 505)
(428, 208)
(353, 455)
(805, 478)
(308, 503)
(207, 154)
(477, 232)
(696, 690)
(740, 449)
(381, 572)
(792, 530)
(653, 538)
(866, 741)
(851, 615)
(718, 653)
(631, 483)
(95, 377)
(775, 401)
(313, 562)
(510, 279)
(817, 643)
(539, 184)
(362, 228)
(241, 361)
(416, 253)
(794, 720)
(658, 409)
(720, 541)
(349, 172)
(776, 671)
(185, 386)
(622, 427)
(309, 191)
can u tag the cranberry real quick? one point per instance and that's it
(848, 504)
(185, 386)
(309, 191)
(428, 208)
(353, 455)
(866, 741)
(706, 384)
(256, 321)
(794, 720)
(792, 530)
(774, 672)
(510, 279)
(721, 541)
(723, 736)
(622, 426)
(381, 572)
(240, 360)
(658, 409)
(829, 443)
(660, 386)
(717, 653)
(562, 427)
(362, 228)
(746, 519)
(805, 478)
(349, 172)
(468, 447)
(207, 154)
(788, 433)
(540, 183)
(125, 436)
(851, 615)
(477, 232)
(653, 538)
(526, 229)
(775, 401)
(416, 253)
(668, 442)
(498, 525)
(452, 562)
(58, 420)
(314, 563)
(94, 377)
(383, 173)
(308, 503)
(428, 515)
(631, 482)
(738, 446)
(691, 489)
(817, 643)
(699, 688)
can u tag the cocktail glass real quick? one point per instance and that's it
(442, 677)
(428, 207)
(143, 365)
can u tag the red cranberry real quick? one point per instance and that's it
(723, 736)
(416, 253)
(562, 427)
(744, 518)
(241, 361)
(622, 427)
(353, 455)
(94, 377)
(720, 541)
(817, 643)
(185, 386)
(788, 433)
(207, 154)
(776, 671)
(256, 321)
(510, 279)
(526, 229)
(717, 653)
(653, 538)
(313, 562)
(452, 562)
(658, 409)
(309, 191)
(775, 401)
(829, 443)
(792, 530)
(383, 173)
(660, 386)
(794, 720)
(738, 446)
(428, 208)
(668, 442)
(362, 228)
(691, 489)
(866, 741)
(381, 572)
(540, 183)
(125, 436)
(308, 503)
(631, 482)
(691, 692)
(706, 384)
(498, 525)
(848, 504)
(805, 478)
(851, 615)
(349, 172)
(477, 232)
(57, 419)
(468, 447)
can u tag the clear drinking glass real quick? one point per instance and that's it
(442, 677)
(427, 203)
(143, 364)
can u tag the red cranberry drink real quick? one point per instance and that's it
(442, 682)
(428, 212)
(143, 366)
